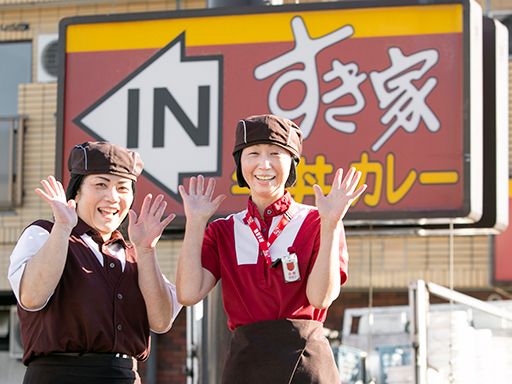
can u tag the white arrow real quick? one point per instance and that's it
(169, 111)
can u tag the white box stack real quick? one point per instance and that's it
(451, 347)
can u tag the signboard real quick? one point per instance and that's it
(495, 215)
(393, 89)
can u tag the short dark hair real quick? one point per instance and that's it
(74, 185)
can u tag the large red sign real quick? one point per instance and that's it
(397, 100)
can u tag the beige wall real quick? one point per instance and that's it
(497, 5)
(39, 103)
(383, 261)
(392, 262)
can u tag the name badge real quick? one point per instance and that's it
(290, 265)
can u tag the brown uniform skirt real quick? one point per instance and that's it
(280, 351)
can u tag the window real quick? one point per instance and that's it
(15, 69)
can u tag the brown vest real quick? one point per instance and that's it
(94, 308)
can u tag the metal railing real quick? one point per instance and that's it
(419, 292)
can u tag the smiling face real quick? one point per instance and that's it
(265, 168)
(103, 201)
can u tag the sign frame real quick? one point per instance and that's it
(470, 212)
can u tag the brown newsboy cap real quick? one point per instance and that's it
(102, 157)
(269, 129)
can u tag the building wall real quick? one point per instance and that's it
(386, 263)
(398, 257)
(171, 354)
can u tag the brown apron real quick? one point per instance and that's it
(88, 368)
(280, 352)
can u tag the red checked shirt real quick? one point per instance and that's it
(252, 291)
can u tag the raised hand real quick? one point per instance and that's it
(198, 203)
(145, 230)
(333, 207)
(64, 212)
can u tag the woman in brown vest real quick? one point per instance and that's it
(281, 263)
(87, 299)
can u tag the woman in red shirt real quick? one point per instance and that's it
(281, 263)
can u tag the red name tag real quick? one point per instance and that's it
(290, 265)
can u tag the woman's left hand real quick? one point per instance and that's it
(333, 207)
(145, 230)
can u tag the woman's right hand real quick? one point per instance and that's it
(64, 212)
(197, 202)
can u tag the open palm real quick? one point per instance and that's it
(199, 203)
(64, 212)
(333, 207)
(145, 230)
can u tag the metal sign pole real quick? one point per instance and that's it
(418, 299)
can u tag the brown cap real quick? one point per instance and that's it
(102, 157)
(269, 129)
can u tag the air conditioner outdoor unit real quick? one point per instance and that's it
(47, 69)
(15, 345)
